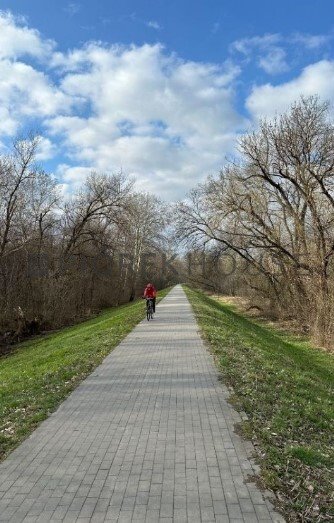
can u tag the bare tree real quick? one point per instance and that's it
(146, 221)
(59, 259)
(103, 199)
(275, 209)
(16, 169)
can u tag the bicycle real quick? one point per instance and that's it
(149, 309)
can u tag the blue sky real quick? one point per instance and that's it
(160, 89)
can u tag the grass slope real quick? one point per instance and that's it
(37, 377)
(285, 387)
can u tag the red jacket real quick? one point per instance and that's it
(150, 291)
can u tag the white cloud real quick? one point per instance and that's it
(164, 120)
(8, 123)
(26, 93)
(273, 52)
(17, 39)
(72, 176)
(46, 149)
(246, 46)
(311, 41)
(154, 25)
(269, 55)
(268, 100)
(167, 121)
(274, 61)
(72, 8)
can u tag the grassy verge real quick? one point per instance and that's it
(285, 387)
(37, 377)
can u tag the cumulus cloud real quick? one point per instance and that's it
(268, 100)
(274, 61)
(162, 119)
(17, 39)
(27, 93)
(46, 149)
(72, 177)
(167, 121)
(273, 52)
(270, 56)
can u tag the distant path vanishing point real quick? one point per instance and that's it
(148, 436)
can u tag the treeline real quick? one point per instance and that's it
(63, 259)
(264, 227)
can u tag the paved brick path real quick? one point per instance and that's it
(147, 437)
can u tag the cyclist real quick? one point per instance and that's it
(150, 292)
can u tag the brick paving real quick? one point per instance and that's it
(147, 437)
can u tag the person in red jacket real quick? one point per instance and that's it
(150, 292)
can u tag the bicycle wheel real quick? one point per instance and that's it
(148, 314)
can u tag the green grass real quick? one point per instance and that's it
(40, 373)
(286, 388)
